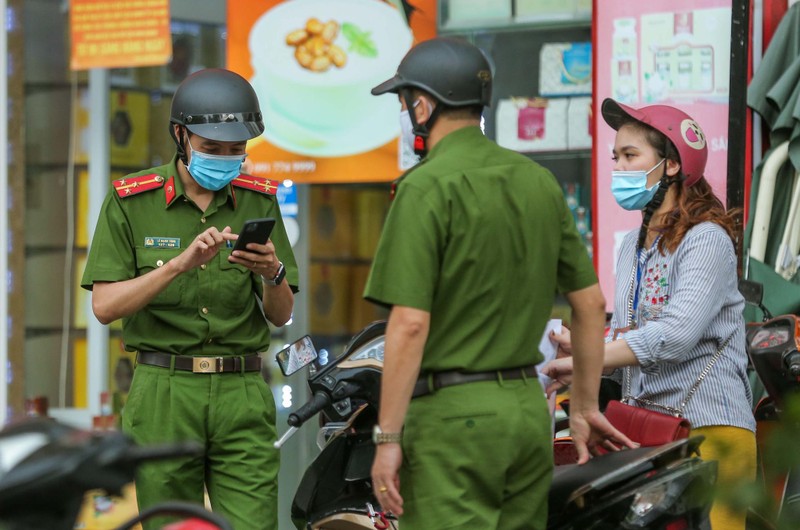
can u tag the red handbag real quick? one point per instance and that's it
(646, 427)
(564, 451)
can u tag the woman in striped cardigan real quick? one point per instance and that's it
(677, 309)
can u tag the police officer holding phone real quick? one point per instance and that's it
(194, 309)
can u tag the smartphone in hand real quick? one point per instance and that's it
(254, 231)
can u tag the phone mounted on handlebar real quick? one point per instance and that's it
(335, 382)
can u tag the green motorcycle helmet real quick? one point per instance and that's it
(452, 70)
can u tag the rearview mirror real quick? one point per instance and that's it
(296, 355)
(753, 292)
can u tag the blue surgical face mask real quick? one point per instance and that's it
(406, 130)
(630, 188)
(407, 158)
(214, 172)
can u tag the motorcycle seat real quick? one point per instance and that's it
(571, 481)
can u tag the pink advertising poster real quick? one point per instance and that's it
(670, 52)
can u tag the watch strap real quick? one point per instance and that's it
(278, 278)
(380, 437)
(388, 438)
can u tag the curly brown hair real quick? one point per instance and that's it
(693, 205)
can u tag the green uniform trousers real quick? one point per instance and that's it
(233, 416)
(478, 455)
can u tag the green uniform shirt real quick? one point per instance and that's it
(210, 310)
(482, 238)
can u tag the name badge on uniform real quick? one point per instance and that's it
(162, 242)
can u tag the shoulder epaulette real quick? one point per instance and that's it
(129, 186)
(259, 184)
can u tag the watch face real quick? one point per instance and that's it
(376, 430)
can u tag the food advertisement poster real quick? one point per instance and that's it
(669, 52)
(313, 64)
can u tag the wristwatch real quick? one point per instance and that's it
(278, 278)
(380, 437)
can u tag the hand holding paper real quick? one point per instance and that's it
(549, 350)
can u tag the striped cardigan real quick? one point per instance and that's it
(688, 305)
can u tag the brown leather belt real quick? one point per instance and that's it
(430, 383)
(201, 365)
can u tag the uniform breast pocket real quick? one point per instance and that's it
(234, 288)
(150, 259)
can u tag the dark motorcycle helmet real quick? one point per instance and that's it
(217, 104)
(452, 70)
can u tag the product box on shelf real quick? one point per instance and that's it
(565, 69)
(532, 124)
(471, 12)
(579, 130)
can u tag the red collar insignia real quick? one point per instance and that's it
(259, 184)
(129, 186)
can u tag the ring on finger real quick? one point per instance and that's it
(383, 489)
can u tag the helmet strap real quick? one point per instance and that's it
(421, 130)
(179, 143)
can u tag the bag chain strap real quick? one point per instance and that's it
(628, 376)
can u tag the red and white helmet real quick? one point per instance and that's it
(679, 127)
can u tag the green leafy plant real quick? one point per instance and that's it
(360, 40)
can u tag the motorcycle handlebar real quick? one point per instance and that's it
(318, 402)
(792, 362)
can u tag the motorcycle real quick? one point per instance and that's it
(773, 346)
(661, 488)
(46, 468)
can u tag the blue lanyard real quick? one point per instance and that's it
(639, 267)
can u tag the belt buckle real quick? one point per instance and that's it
(206, 365)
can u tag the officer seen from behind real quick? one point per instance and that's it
(477, 242)
(195, 311)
